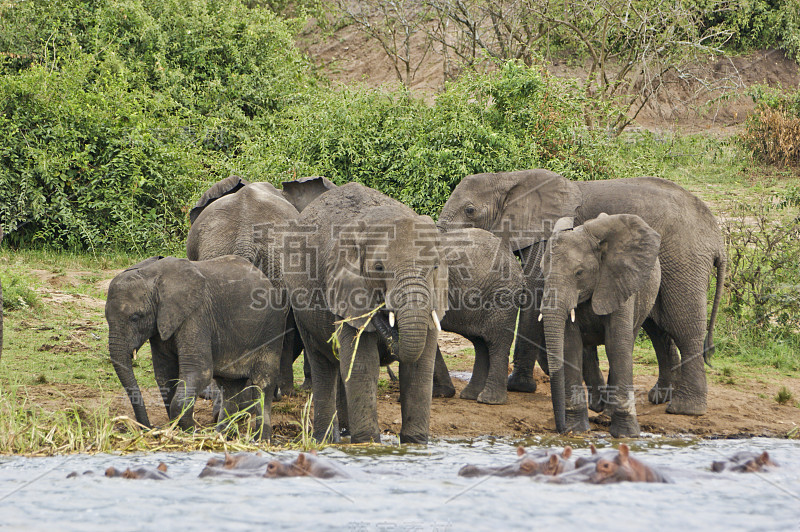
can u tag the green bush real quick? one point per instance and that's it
(518, 117)
(772, 131)
(18, 292)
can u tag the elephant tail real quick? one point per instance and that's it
(720, 262)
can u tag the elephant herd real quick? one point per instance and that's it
(355, 279)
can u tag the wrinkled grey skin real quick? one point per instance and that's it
(360, 249)
(235, 217)
(209, 319)
(607, 271)
(524, 205)
(485, 291)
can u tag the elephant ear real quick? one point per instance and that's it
(144, 264)
(347, 292)
(180, 290)
(534, 200)
(301, 192)
(629, 249)
(229, 185)
(441, 282)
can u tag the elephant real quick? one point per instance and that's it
(601, 283)
(219, 318)
(363, 256)
(522, 206)
(235, 217)
(486, 287)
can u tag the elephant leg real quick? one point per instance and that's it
(668, 363)
(194, 374)
(480, 370)
(442, 383)
(593, 377)
(529, 345)
(494, 390)
(306, 374)
(288, 356)
(230, 389)
(341, 408)
(165, 370)
(360, 372)
(265, 374)
(324, 386)
(576, 413)
(416, 383)
(620, 390)
(689, 396)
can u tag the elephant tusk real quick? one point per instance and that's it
(436, 320)
(391, 319)
(540, 316)
(572, 315)
(135, 351)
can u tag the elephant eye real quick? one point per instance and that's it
(135, 317)
(378, 267)
(578, 273)
(469, 210)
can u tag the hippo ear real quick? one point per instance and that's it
(553, 460)
(593, 448)
(624, 454)
(527, 466)
(314, 452)
(763, 459)
(567, 452)
(162, 467)
(520, 451)
(301, 461)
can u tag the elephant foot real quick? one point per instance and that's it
(685, 405)
(442, 390)
(596, 403)
(306, 384)
(660, 393)
(577, 420)
(493, 397)
(366, 438)
(419, 439)
(470, 393)
(624, 426)
(520, 381)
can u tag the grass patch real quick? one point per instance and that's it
(784, 396)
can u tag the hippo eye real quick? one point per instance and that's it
(469, 210)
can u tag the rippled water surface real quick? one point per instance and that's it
(406, 489)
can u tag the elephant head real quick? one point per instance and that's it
(152, 297)
(607, 259)
(519, 206)
(391, 259)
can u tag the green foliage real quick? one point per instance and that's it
(763, 241)
(784, 396)
(18, 292)
(114, 115)
(518, 117)
(755, 23)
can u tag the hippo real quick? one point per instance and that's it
(539, 462)
(624, 468)
(306, 465)
(745, 462)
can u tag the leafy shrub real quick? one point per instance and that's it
(518, 117)
(18, 292)
(763, 244)
(113, 115)
(773, 130)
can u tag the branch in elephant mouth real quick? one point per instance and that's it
(334, 339)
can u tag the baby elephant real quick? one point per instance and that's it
(219, 318)
(539, 462)
(745, 462)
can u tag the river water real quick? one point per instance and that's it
(405, 489)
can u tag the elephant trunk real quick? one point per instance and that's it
(414, 307)
(554, 325)
(122, 358)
